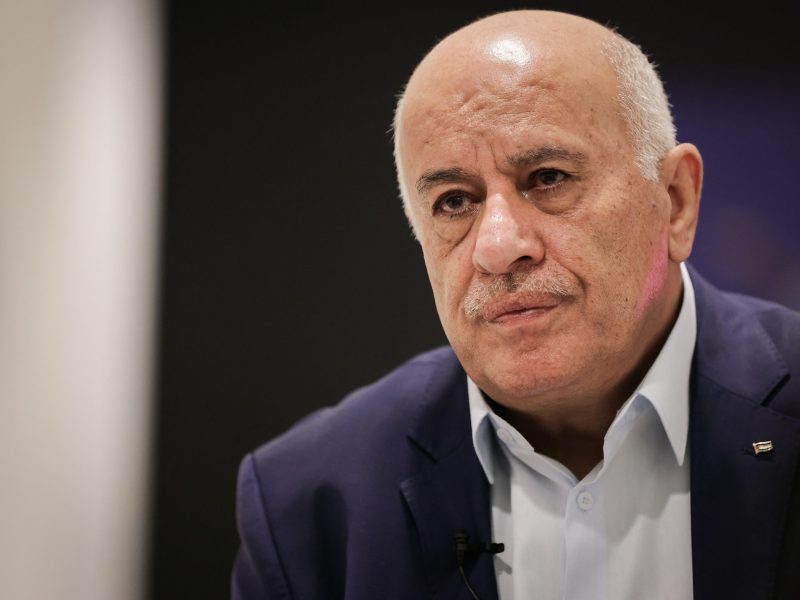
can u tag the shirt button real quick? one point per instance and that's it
(585, 501)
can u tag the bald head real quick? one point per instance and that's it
(520, 39)
(511, 51)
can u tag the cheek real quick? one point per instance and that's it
(631, 251)
(449, 264)
(656, 276)
(446, 272)
(603, 253)
(434, 273)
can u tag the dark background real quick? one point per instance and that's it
(289, 276)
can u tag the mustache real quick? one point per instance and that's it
(482, 292)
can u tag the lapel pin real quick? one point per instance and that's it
(762, 447)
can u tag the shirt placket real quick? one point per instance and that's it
(585, 546)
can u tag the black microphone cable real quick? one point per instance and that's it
(463, 547)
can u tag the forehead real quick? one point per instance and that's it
(473, 98)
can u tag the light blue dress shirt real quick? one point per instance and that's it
(623, 531)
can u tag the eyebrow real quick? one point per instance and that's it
(545, 153)
(430, 178)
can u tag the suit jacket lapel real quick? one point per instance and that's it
(452, 492)
(739, 498)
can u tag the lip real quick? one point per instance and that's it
(520, 307)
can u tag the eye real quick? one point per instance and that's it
(544, 179)
(452, 204)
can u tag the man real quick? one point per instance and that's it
(623, 428)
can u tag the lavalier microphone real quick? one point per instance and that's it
(463, 547)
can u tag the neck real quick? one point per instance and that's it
(573, 431)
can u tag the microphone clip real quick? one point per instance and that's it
(463, 547)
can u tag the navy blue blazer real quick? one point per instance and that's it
(362, 500)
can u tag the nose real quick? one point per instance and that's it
(507, 235)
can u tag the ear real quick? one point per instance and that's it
(682, 175)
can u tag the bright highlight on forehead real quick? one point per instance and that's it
(510, 50)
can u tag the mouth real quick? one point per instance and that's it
(520, 308)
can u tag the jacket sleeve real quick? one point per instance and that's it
(257, 571)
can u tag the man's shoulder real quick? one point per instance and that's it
(372, 419)
(780, 325)
(748, 345)
(321, 494)
(781, 322)
(737, 311)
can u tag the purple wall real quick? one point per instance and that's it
(748, 131)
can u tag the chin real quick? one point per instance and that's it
(523, 366)
(516, 381)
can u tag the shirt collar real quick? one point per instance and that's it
(482, 430)
(666, 386)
